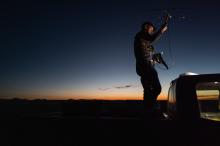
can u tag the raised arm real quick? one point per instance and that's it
(162, 29)
(158, 34)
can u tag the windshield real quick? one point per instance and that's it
(208, 95)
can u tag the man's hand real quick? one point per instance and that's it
(164, 29)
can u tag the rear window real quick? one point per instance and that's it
(172, 98)
(208, 95)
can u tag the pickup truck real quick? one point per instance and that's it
(193, 97)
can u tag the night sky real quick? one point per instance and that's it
(84, 49)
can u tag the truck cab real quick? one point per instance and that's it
(194, 97)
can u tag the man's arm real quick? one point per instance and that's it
(162, 29)
(158, 34)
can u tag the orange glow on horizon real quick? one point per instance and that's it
(100, 98)
(91, 97)
(136, 94)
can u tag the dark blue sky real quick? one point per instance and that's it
(84, 49)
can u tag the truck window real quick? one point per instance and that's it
(208, 96)
(172, 99)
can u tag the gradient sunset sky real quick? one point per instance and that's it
(84, 49)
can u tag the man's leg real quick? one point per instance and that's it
(152, 89)
(156, 86)
(156, 91)
(149, 100)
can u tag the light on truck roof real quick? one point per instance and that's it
(188, 74)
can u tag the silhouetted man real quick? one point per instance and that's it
(144, 51)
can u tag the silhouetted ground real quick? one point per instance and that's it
(57, 123)
(76, 108)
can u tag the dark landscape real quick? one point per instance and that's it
(96, 122)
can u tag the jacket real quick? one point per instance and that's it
(144, 50)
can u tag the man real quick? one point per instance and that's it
(144, 51)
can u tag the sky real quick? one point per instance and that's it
(84, 49)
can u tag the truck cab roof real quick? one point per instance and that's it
(188, 92)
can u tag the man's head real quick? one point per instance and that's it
(148, 27)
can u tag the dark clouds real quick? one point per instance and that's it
(119, 87)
